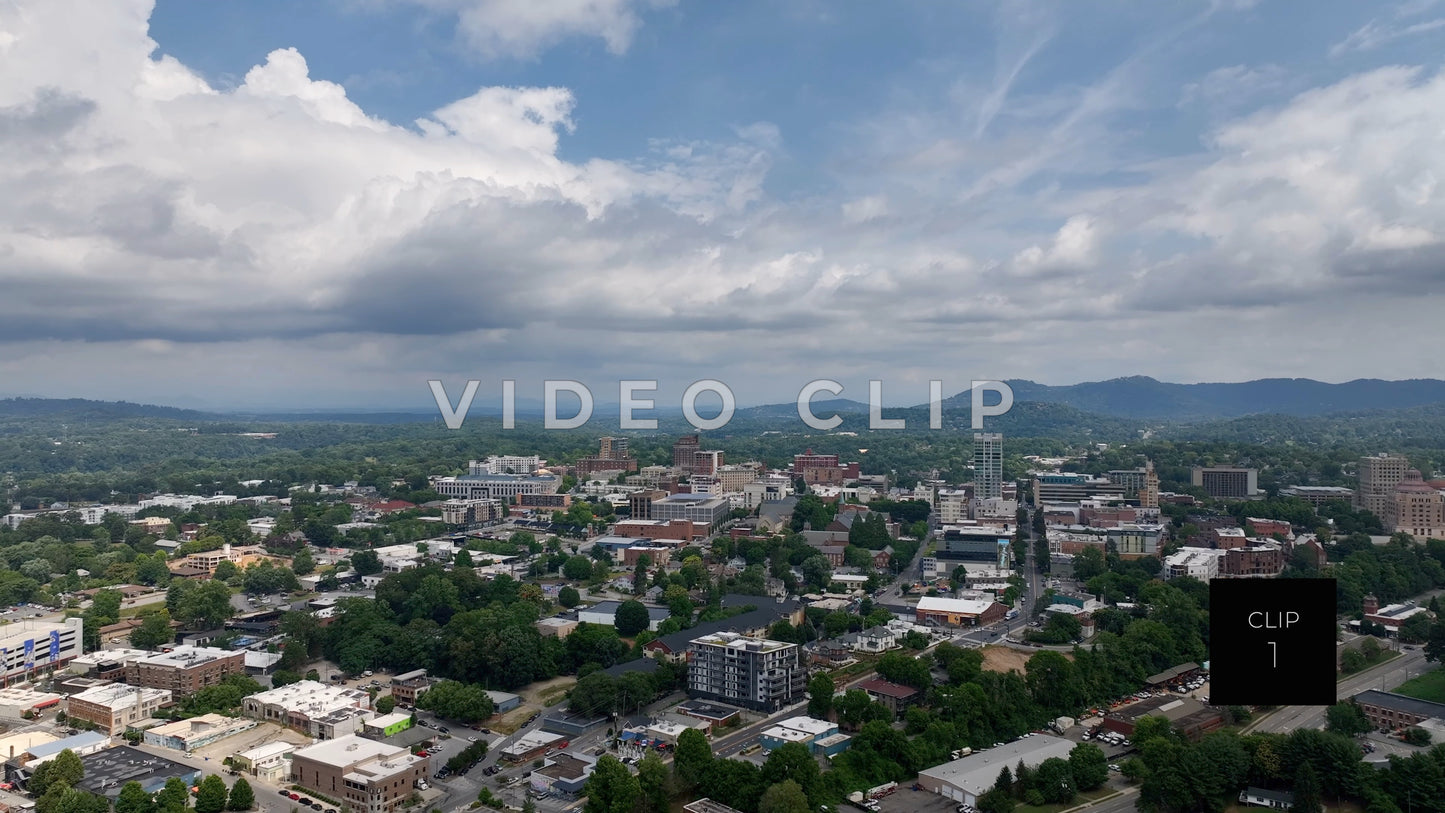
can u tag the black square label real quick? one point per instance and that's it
(1272, 642)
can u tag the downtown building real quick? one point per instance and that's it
(367, 776)
(1226, 482)
(30, 648)
(185, 670)
(611, 455)
(987, 465)
(504, 487)
(754, 673)
(1378, 476)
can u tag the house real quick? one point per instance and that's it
(875, 640)
(893, 696)
(1259, 797)
(882, 559)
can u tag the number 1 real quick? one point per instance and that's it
(1274, 649)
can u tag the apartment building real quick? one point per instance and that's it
(824, 469)
(611, 456)
(1378, 475)
(29, 648)
(471, 512)
(987, 465)
(115, 707)
(407, 686)
(759, 674)
(185, 670)
(240, 556)
(365, 775)
(1198, 563)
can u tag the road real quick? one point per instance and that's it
(1385, 676)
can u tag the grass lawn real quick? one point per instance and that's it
(1385, 656)
(1429, 686)
(1082, 798)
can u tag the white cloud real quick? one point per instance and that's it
(523, 28)
(1376, 33)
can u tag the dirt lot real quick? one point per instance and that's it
(535, 698)
(1005, 659)
(246, 740)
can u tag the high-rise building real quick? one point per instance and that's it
(1149, 494)
(612, 448)
(1379, 474)
(987, 465)
(1416, 508)
(1226, 482)
(683, 451)
(754, 673)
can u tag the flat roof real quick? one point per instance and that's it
(348, 750)
(106, 772)
(777, 732)
(184, 657)
(808, 725)
(115, 695)
(736, 641)
(1400, 702)
(267, 750)
(73, 742)
(976, 773)
(954, 605)
(388, 720)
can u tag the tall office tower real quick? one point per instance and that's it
(1379, 474)
(1149, 494)
(987, 465)
(1226, 482)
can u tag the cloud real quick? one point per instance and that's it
(1378, 32)
(277, 236)
(523, 28)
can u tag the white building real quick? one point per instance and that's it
(29, 647)
(952, 506)
(115, 707)
(1197, 563)
(506, 464)
(964, 780)
(317, 709)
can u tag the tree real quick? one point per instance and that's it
(1435, 644)
(1148, 728)
(66, 769)
(594, 694)
(134, 799)
(211, 796)
(611, 788)
(1054, 779)
(153, 632)
(631, 618)
(303, 563)
(568, 596)
(462, 702)
(820, 695)
(577, 568)
(1348, 719)
(242, 797)
(792, 762)
(1415, 629)
(1089, 766)
(652, 776)
(225, 571)
(996, 801)
(692, 758)
(1089, 563)
(785, 797)
(1351, 661)
(65, 799)
(1415, 735)
(174, 796)
(366, 563)
(1306, 790)
(385, 705)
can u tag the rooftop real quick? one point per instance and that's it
(976, 773)
(1400, 702)
(887, 689)
(953, 605)
(348, 750)
(74, 742)
(116, 695)
(735, 641)
(185, 657)
(808, 725)
(106, 772)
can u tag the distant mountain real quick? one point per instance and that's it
(1142, 397)
(82, 409)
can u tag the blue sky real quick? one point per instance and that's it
(676, 189)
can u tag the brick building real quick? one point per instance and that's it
(185, 670)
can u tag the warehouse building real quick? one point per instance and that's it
(964, 780)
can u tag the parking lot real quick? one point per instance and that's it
(905, 800)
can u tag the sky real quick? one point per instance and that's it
(264, 203)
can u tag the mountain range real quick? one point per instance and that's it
(1135, 398)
